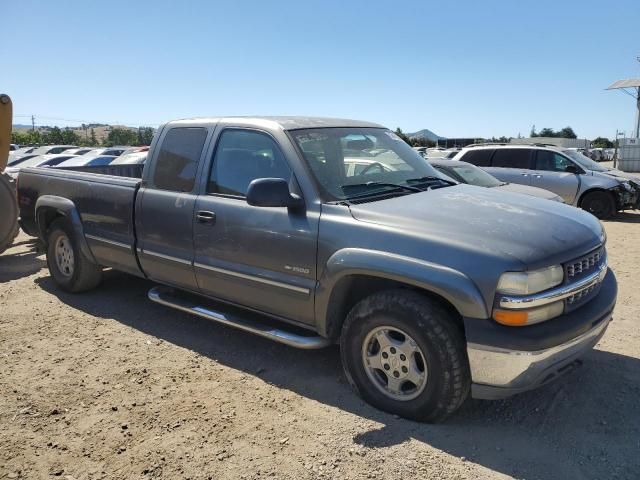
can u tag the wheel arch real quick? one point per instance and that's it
(50, 208)
(592, 190)
(353, 274)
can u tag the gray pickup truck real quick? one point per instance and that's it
(433, 290)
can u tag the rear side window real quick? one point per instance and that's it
(178, 159)
(512, 158)
(479, 157)
(243, 156)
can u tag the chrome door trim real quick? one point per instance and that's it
(166, 257)
(110, 242)
(254, 278)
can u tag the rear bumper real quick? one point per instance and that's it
(505, 361)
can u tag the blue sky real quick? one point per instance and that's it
(476, 68)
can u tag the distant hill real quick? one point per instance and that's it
(426, 134)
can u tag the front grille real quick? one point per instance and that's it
(584, 265)
(583, 294)
(580, 268)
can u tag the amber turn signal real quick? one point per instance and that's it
(513, 318)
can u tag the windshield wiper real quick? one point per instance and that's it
(380, 184)
(429, 177)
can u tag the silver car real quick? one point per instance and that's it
(577, 179)
(464, 172)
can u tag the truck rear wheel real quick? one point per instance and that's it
(69, 267)
(404, 354)
(600, 204)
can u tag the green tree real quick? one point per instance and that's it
(547, 132)
(403, 135)
(53, 136)
(121, 136)
(145, 135)
(567, 132)
(602, 142)
(69, 137)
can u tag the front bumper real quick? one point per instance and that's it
(505, 360)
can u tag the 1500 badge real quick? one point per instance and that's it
(306, 271)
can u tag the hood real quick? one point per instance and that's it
(527, 190)
(500, 223)
(620, 175)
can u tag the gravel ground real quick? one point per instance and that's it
(109, 385)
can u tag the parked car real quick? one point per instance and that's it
(48, 160)
(597, 155)
(88, 161)
(133, 158)
(79, 151)
(433, 290)
(464, 172)
(13, 147)
(13, 161)
(51, 149)
(577, 179)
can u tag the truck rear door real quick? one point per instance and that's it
(165, 207)
(259, 257)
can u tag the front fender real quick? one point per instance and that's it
(66, 208)
(450, 284)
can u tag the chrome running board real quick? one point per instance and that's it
(168, 297)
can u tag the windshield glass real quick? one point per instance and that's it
(584, 162)
(348, 162)
(471, 174)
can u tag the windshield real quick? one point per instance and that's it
(472, 175)
(584, 162)
(348, 162)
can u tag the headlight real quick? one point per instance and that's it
(525, 283)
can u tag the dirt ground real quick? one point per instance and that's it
(107, 384)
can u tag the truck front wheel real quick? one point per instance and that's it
(404, 354)
(69, 267)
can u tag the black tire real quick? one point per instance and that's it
(437, 335)
(600, 204)
(84, 274)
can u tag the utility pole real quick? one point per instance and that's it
(33, 123)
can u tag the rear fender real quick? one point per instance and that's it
(67, 209)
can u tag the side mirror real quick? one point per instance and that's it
(572, 169)
(272, 192)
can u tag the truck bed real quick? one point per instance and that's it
(104, 203)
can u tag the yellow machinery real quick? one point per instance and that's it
(8, 200)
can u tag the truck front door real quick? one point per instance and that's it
(262, 258)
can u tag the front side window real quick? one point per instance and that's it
(349, 162)
(177, 162)
(584, 162)
(551, 161)
(512, 158)
(243, 156)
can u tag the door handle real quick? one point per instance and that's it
(204, 216)
(524, 174)
(538, 176)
